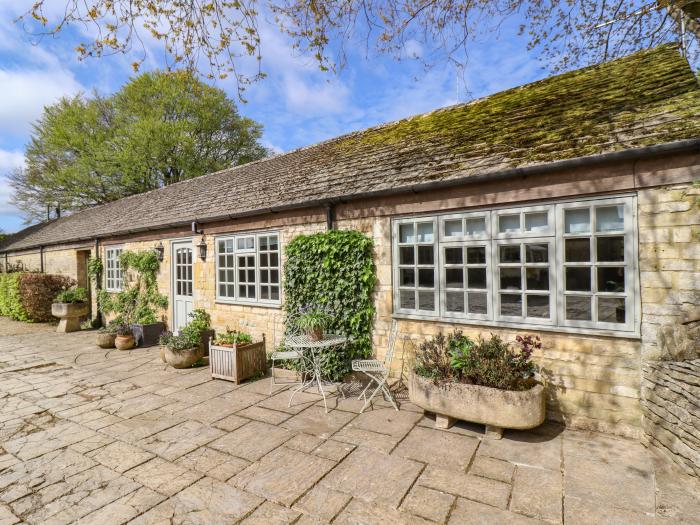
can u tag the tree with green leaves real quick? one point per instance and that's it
(158, 129)
(217, 37)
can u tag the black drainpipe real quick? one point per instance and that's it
(41, 258)
(98, 285)
(330, 217)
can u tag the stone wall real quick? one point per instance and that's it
(669, 259)
(671, 407)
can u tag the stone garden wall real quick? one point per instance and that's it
(671, 407)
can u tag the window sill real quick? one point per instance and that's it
(634, 336)
(248, 303)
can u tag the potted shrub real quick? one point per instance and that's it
(181, 350)
(69, 306)
(484, 381)
(107, 335)
(313, 321)
(199, 326)
(233, 356)
(124, 339)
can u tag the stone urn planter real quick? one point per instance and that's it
(106, 339)
(495, 408)
(183, 358)
(124, 342)
(69, 315)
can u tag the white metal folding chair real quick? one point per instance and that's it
(378, 371)
(283, 355)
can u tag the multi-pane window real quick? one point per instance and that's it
(417, 282)
(114, 277)
(565, 264)
(183, 271)
(248, 268)
(597, 256)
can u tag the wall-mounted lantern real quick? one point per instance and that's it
(160, 250)
(202, 249)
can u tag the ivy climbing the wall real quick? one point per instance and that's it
(140, 300)
(334, 270)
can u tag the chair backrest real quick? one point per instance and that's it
(393, 336)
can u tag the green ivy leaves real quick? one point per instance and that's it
(336, 270)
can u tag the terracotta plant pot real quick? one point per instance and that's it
(495, 408)
(183, 358)
(106, 339)
(315, 335)
(124, 342)
(69, 314)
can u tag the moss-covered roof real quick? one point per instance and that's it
(649, 98)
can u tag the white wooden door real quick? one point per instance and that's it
(182, 282)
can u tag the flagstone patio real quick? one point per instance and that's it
(97, 436)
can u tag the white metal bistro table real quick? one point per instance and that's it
(311, 358)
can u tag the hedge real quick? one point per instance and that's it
(26, 296)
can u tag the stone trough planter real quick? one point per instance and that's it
(495, 408)
(69, 315)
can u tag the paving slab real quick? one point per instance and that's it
(283, 476)
(360, 512)
(213, 463)
(492, 468)
(163, 476)
(467, 512)
(323, 503)
(120, 456)
(252, 441)
(177, 441)
(428, 503)
(207, 501)
(314, 420)
(538, 493)
(374, 476)
(489, 491)
(437, 447)
(271, 514)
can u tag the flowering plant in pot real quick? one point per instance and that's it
(487, 381)
(313, 321)
(69, 306)
(125, 337)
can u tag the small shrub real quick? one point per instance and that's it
(72, 295)
(233, 338)
(433, 359)
(200, 322)
(124, 330)
(487, 362)
(179, 343)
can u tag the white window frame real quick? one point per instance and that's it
(631, 294)
(115, 283)
(466, 289)
(436, 272)
(235, 237)
(554, 236)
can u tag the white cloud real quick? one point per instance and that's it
(27, 91)
(9, 160)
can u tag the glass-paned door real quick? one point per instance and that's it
(182, 285)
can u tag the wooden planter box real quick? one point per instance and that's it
(238, 362)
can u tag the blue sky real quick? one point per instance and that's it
(297, 104)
